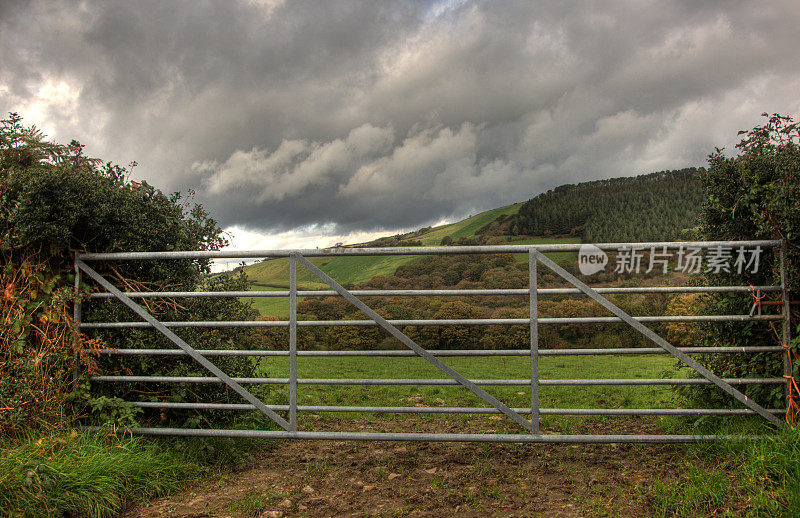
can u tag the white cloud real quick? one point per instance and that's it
(294, 165)
(53, 101)
(415, 165)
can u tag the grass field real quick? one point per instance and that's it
(271, 306)
(578, 367)
(273, 275)
(555, 256)
(466, 227)
(346, 270)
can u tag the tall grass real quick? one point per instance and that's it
(80, 474)
(748, 477)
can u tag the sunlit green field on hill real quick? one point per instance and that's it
(555, 256)
(349, 271)
(274, 275)
(466, 227)
(271, 306)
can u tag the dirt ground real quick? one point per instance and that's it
(319, 478)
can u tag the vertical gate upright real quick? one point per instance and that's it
(529, 430)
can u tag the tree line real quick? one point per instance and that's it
(496, 271)
(653, 207)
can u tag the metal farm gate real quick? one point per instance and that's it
(528, 426)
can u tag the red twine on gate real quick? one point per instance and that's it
(792, 406)
(793, 394)
(756, 295)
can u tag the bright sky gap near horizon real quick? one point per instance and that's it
(301, 124)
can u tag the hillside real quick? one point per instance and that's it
(651, 207)
(274, 273)
(432, 236)
(354, 270)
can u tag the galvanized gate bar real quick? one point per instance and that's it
(430, 293)
(408, 342)
(455, 409)
(293, 343)
(713, 378)
(533, 305)
(438, 322)
(183, 345)
(77, 310)
(441, 437)
(408, 250)
(440, 381)
(445, 352)
(76, 304)
(786, 334)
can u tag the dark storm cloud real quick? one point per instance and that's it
(394, 114)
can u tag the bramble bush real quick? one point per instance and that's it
(39, 346)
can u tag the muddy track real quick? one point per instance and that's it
(432, 479)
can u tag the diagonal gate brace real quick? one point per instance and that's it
(199, 358)
(707, 374)
(408, 342)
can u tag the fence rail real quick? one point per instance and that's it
(414, 250)
(453, 378)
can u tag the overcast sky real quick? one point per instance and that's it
(299, 124)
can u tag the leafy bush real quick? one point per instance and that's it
(55, 201)
(754, 195)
